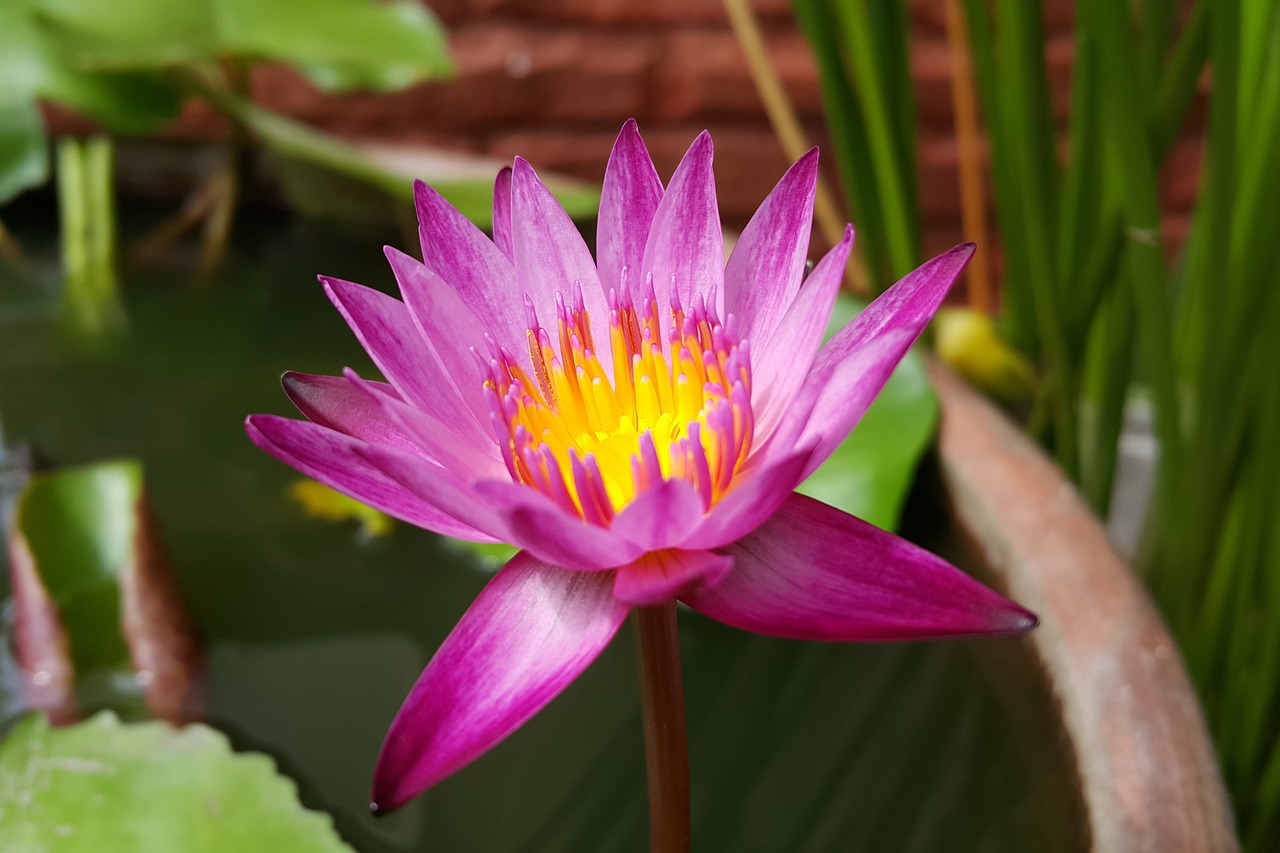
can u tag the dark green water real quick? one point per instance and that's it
(315, 633)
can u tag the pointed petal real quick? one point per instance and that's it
(685, 244)
(550, 255)
(628, 201)
(791, 348)
(469, 454)
(764, 272)
(436, 486)
(448, 326)
(541, 527)
(663, 575)
(662, 516)
(387, 332)
(460, 253)
(334, 459)
(528, 635)
(854, 365)
(502, 212)
(333, 402)
(755, 496)
(813, 572)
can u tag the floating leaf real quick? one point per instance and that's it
(94, 596)
(102, 785)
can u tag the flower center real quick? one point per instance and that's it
(593, 442)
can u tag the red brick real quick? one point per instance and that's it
(704, 73)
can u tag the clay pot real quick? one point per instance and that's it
(1122, 707)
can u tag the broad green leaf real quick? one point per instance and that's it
(34, 64)
(24, 160)
(103, 785)
(94, 596)
(870, 473)
(339, 44)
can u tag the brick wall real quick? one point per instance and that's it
(552, 80)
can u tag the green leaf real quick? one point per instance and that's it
(24, 160)
(338, 44)
(33, 63)
(94, 596)
(871, 471)
(102, 785)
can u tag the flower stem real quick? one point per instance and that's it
(665, 741)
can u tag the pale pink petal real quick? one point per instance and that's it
(436, 486)
(460, 253)
(334, 459)
(551, 257)
(854, 365)
(764, 272)
(662, 516)
(685, 246)
(449, 327)
(790, 350)
(530, 633)
(333, 402)
(813, 572)
(389, 335)
(548, 532)
(663, 575)
(628, 201)
(502, 212)
(756, 495)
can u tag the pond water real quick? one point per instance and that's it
(315, 633)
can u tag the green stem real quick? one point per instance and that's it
(665, 739)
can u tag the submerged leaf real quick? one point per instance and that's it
(103, 785)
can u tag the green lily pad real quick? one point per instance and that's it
(871, 472)
(95, 600)
(103, 785)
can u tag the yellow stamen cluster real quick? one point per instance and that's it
(593, 441)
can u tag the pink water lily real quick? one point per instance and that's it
(636, 425)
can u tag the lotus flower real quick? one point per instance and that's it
(636, 425)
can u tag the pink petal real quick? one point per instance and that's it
(550, 255)
(502, 212)
(334, 459)
(468, 453)
(545, 530)
(755, 496)
(530, 633)
(764, 272)
(387, 332)
(685, 245)
(628, 201)
(813, 572)
(333, 402)
(449, 327)
(790, 350)
(436, 486)
(663, 575)
(460, 253)
(854, 365)
(662, 516)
